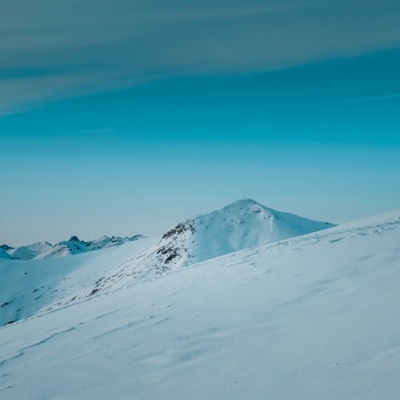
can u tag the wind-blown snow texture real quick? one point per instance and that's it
(310, 317)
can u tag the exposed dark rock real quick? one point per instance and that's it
(6, 247)
(170, 252)
(94, 291)
(180, 228)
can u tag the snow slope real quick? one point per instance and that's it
(4, 254)
(312, 317)
(28, 286)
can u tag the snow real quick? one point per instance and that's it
(30, 251)
(246, 224)
(309, 317)
(4, 254)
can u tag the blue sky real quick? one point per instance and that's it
(124, 118)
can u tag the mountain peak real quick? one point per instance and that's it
(30, 251)
(242, 204)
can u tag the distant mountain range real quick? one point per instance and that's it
(74, 245)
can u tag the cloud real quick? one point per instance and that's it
(369, 99)
(53, 50)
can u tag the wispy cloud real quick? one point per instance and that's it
(52, 50)
(368, 99)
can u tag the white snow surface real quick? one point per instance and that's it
(311, 317)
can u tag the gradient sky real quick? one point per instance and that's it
(127, 117)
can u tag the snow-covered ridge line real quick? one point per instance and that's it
(74, 245)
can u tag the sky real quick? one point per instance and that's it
(126, 117)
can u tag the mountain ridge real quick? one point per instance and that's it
(74, 245)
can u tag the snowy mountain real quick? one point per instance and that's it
(75, 246)
(237, 226)
(310, 317)
(105, 242)
(67, 247)
(31, 251)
